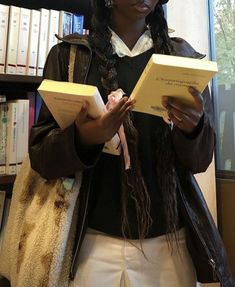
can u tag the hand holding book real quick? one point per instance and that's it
(171, 76)
(101, 129)
(184, 116)
(96, 125)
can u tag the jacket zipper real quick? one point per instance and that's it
(211, 261)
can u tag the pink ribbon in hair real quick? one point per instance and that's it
(113, 98)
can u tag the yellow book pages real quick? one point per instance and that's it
(166, 75)
(65, 99)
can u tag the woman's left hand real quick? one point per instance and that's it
(185, 117)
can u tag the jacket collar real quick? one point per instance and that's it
(182, 47)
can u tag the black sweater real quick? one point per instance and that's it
(105, 207)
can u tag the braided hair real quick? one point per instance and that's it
(132, 181)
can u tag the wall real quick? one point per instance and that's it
(190, 21)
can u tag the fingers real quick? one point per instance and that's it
(184, 116)
(83, 114)
(121, 109)
(196, 95)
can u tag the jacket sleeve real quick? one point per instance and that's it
(195, 151)
(54, 152)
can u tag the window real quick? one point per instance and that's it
(222, 15)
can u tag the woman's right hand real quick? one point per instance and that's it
(103, 128)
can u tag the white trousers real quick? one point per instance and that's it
(113, 262)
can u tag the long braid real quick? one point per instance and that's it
(166, 173)
(133, 185)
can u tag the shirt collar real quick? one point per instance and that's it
(143, 44)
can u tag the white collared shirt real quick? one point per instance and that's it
(143, 44)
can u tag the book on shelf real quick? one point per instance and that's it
(6, 210)
(65, 99)
(42, 43)
(32, 100)
(166, 75)
(53, 28)
(3, 99)
(12, 40)
(22, 131)
(3, 137)
(4, 15)
(2, 205)
(78, 23)
(38, 104)
(32, 52)
(65, 23)
(23, 41)
(11, 145)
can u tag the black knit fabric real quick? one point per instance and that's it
(105, 205)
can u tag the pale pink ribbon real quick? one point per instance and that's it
(113, 98)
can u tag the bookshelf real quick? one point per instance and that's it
(75, 6)
(19, 86)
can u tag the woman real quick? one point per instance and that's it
(134, 218)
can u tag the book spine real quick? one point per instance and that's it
(23, 40)
(6, 211)
(113, 146)
(53, 29)
(4, 15)
(78, 23)
(11, 138)
(12, 41)
(22, 131)
(33, 43)
(38, 104)
(31, 98)
(2, 205)
(42, 43)
(3, 137)
(65, 23)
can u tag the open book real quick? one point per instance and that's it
(166, 75)
(64, 100)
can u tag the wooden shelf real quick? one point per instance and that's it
(18, 83)
(7, 179)
(23, 79)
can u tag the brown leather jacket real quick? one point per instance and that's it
(55, 153)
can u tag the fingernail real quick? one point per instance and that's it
(164, 101)
(191, 89)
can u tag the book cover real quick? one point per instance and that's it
(65, 99)
(4, 15)
(3, 137)
(33, 43)
(53, 29)
(23, 40)
(42, 43)
(78, 23)
(12, 40)
(65, 23)
(166, 75)
(11, 137)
